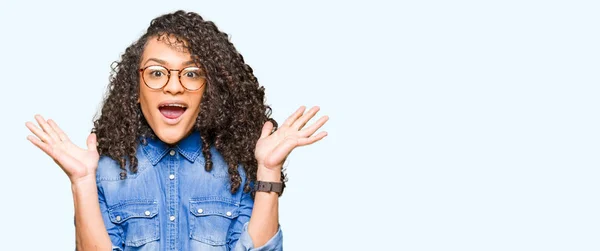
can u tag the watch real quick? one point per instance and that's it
(265, 186)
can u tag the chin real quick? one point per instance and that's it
(170, 135)
(169, 140)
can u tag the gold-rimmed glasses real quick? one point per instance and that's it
(156, 77)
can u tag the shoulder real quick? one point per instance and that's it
(109, 169)
(220, 167)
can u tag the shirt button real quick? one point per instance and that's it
(147, 213)
(200, 210)
(228, 213)
(172, 218)
(118, 218)
(172, 176)
(172, 152)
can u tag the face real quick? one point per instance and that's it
(171, 111)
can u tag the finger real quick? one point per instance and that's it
(63, 160)
(41, 145)
(266, 130)
(310, 130)
(305, 118)
(311, 139)
(91, 142)
(290, 120)
(38, 132)
(61, 135)
(44, 125)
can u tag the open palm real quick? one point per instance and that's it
(273, 148)
(76, 162)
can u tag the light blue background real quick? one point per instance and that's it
(455, 125)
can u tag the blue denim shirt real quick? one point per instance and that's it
(173, 203)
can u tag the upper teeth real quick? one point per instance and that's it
(177, 105)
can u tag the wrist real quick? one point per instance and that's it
(268, 174)
(83, 183)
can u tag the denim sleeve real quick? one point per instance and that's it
(238, 238)
(114, 233)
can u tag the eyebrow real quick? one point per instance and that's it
(163, 62)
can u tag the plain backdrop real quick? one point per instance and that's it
(455, 125)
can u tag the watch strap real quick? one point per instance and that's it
(266, 186)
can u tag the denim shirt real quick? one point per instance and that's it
(173, 203)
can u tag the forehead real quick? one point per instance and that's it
(166, 48)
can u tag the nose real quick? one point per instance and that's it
(173, 85)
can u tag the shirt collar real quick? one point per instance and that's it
(189, 147)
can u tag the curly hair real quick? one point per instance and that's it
(233, 108)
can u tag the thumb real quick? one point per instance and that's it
(91, 142)
(266, 130)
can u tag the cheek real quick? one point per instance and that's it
(195, 105)
(141, 92)
(146, 101)
(196, 99)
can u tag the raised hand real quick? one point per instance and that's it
(77, 163)
(272, 149)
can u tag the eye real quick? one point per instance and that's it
(192, 73)
(156, 74)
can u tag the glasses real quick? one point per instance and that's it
(156, 77)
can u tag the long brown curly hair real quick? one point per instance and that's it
(233, 108)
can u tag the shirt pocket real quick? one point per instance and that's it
(138, 220)
(211, 218)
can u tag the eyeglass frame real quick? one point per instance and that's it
(141, 70)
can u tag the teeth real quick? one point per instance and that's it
(175, 105)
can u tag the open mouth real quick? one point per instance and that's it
(172, 110)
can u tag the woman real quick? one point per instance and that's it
(184, 155)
